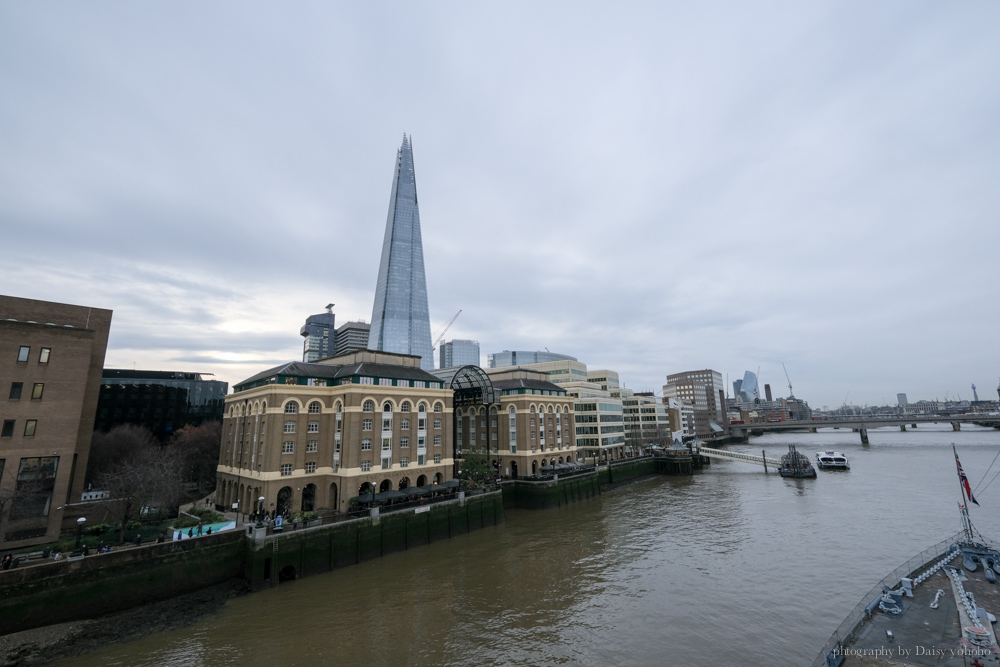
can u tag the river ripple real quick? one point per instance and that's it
(730, 566)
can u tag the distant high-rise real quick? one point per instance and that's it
(901, 398)
(459, 353)
(320, 336)
(351, 337)
(521, 357)
(400, 316)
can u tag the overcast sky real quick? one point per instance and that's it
(650, 187)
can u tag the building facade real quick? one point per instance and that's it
(307, 437)
(351, 337)
(320, 334)
(646, 421)
(162, 401)
(704, 390)
(523, 358)
(51, 357)
(459, 353)
(400, 315)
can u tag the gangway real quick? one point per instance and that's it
(767, 462)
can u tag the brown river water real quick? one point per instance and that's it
(728, 567)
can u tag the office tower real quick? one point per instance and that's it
(400, 316)
(767, 392)
(703, 389)
(459, 353)
(162, 401)
(51, 355)
(320, 334)
(901, 398)
(351, 337)
(522, 357)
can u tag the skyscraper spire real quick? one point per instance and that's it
(400, 316)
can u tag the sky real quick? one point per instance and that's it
(649, 187)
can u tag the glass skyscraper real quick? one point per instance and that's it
(400, 317)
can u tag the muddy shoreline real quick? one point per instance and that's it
(41, 646)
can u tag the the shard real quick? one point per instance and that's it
(400, 317)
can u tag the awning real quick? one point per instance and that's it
(715, 427)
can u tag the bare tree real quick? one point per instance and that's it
(198, 448)
(116, 445)
(151, 477)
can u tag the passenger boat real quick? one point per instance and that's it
(831, 460)
(794, 464)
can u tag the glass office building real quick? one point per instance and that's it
(459, 353)
(400, 316)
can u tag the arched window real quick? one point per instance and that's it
(458, 413)
(405, 407)
(339, 408)
(512, 411)
(315, 408)
(482, 412)
(532, 410)
(369, 406)
(263, 407)
(291, 408)
(550, 409)
(558, 409)
(493, 411)
(438, 407)
(387, 407)
(422, 407)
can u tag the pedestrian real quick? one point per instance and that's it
(138, 539)
(6, 562)
(86, 550)
(190, 532)
(160, 539)
(199, 529)
(209, 531)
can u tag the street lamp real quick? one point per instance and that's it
(79, 531)
(260, 511)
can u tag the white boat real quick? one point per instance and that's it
(831, 460)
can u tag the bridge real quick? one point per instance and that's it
(862, 424)
(767, 462)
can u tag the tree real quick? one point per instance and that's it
(476, 464)
(146, 475)
(198, 449)
(118, 444)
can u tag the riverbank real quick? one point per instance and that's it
(46, 644)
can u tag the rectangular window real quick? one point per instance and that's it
(419, 384)
(23, 352)
(513, 422)
(311, 466)
(513, 448)
(386, 461)
(493, 423)
(482, 436)
(437, 458)
(405, 424)
(366, 425)
(43, 356)
(365, 380)
(532, 422)
(494, 435)
(36, 391)
(421, 459)
(29, 427)
(288, 447)
(286, 469)
(513, 436)
(366, 466)
(8, 429)
(15, 390)
(420, 441)
(532, 435)
(437, 440)
(437, 423)
(421, 424)
(366, 445)
(386, 443)
(404, 461)
(404, 442)
(312, 427)
(35, 482)
(385, 382)
(312, 446)
(387, 424)
(289, 427)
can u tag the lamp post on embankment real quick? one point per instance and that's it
(79, 533)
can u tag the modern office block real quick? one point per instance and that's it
(459, 353)
(352, 337)
(320, 336)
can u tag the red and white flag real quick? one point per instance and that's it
(964, 479)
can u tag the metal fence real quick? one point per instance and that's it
(847, 630)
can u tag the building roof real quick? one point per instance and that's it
(330, 371)
(521, 383)
(127, 373)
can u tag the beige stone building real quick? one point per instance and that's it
(534, 425)
(51, 357)
(310, 436)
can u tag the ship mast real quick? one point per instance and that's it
(963, 507)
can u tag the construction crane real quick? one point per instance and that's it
(791, 394)
(444, 330)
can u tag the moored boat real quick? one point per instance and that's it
(831, 460)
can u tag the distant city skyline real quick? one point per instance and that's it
(648, 188)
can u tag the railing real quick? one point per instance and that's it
(738, 456)
(847, 630)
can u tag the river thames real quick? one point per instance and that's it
(731, 566)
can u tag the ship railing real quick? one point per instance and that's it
(848, 629)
